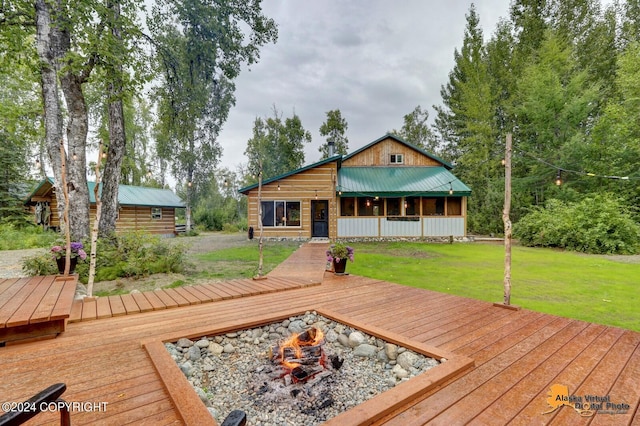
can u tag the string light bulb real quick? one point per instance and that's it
(104, 155)
(450, 189)
(278, 187)
(74, 156)
(38, 162)
(559, 178)
(316, 194)
(189, 184)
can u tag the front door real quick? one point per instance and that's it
(320, 218)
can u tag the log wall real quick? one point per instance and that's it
(316, 183)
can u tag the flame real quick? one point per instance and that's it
(311, 337)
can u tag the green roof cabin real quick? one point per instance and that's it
(386, 189)
(152, 210)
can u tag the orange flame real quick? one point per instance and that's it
(311, 337)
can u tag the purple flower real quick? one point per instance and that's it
(339, 251)
(60, 251)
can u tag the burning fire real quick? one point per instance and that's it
(291, 350)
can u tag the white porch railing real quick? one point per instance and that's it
(426, 226)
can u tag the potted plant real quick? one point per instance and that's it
(60, 255)
(338, 254)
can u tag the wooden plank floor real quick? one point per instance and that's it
(518, 356)
(34, 307)
(127, 304)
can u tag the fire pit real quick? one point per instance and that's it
(300, 371)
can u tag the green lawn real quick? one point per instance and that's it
(591, 288)
(242, 262)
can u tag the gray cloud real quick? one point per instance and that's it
(374, 60)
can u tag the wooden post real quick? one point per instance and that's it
(65, 191)
(507, 221)
(96, 225)
(260, 262)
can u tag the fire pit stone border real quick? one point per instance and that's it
(404, 395)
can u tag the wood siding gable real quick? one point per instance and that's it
(379, 154)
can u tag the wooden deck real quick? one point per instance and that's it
(34, 308)
(518, 356)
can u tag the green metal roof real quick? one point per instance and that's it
(129, 195)
(399, 181)
(402, 141)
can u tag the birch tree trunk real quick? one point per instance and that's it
(47, 41)
(77, 129)
(117, 138)
(53, 44)
(507, 222)
(96, 227)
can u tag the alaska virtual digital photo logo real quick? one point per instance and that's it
(586, 405)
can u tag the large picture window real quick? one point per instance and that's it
(281, 213)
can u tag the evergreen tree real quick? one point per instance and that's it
(416, 130)
(334, 128)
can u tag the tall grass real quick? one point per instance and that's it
(13, 238)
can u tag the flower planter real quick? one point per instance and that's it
(72, 265)
(339, 267)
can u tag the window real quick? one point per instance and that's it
(412, 206)
(397, 159)
(454, 206)
(433, 206)
(370, 207)
(393, 206)
(281, 213)
(347, 206)
(156, 212)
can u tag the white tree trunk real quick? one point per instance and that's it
(507, 222)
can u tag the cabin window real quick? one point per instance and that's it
(156, 213)
(433, 206)
(393, 206)
(454, 206)
(412, 206)
(396, 159)
(369, 206)
(281, 213)
(347, 206)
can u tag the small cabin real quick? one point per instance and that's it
(152, 210)
(387, 189)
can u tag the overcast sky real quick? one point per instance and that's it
(375, 60)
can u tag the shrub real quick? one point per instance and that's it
(128, 255)
(599, 224)
(14, 237)
(230, 228)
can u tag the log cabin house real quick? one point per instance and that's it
(139, 208)
(387, 189)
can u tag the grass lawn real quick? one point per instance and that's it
(587, 287)
(242, 262)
